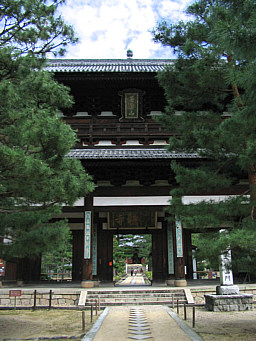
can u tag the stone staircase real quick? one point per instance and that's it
(131, 297)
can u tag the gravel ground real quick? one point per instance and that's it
(24, 324)
(224, 326)
(211, 326)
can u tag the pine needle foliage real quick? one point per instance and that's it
(36, 177)
(210, 89)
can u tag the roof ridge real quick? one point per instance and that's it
(107, 65)
(127, 60)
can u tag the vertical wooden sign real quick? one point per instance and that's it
(94, 250)
(179, 238)
(170, 250)
(87, 235)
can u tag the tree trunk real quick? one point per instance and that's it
(252, 184)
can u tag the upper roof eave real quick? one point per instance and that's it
(129, 154)
(107, 65)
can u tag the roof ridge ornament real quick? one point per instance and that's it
(129, 53)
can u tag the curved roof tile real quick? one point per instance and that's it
(128, 154)
(107, 65)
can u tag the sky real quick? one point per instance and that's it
(107, 28)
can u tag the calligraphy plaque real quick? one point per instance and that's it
(179, 238)
(87, 235)
(132, 220)
(170, 250)
(131, 105)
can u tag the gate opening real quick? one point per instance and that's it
(132, 259)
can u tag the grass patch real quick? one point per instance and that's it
(43, 323)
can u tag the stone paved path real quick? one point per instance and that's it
(140, 323)
(133, 280)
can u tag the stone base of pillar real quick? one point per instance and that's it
(170, 282)
(90, 284)
(180, 283)
(87, 284)
(227, 290)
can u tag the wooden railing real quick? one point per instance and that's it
(115, 129)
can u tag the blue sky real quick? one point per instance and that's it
(107, 28)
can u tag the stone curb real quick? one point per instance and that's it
(189, 331)
(90, 335)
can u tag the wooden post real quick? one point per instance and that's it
(83, 321)
(34, 307)
(50, 299)
(194, 317)
(91, 312)
(177, 306)
(185, 312)
(96, 307)
(172, 300)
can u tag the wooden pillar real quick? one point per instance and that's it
(188, 253)
(88, 229)
(171, 252)
(105, 255)
(77, 255)
(179, 255)
(159, 255)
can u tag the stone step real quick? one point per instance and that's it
(132, 294)
(124, 291)
(126, 299)
(107, 304)
(135, 297)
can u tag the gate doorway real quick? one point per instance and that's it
(106, 262)
(132, 259)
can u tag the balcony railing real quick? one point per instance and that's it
(119, 129)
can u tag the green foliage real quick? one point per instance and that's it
(32, 26)
(125, 246)
(36, 177)
(215, 73)
(60, 258)
(149, 275)
(118, 256)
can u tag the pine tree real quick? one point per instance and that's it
(210, 90)
(36, 177)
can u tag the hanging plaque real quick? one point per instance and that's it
(170, 250)
(87, 235)
(131, 105)
(179, 238)
(144, 219)
(94, 251)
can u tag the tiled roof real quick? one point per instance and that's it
(107, 65)
(145, 153)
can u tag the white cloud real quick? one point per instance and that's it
(107, 28)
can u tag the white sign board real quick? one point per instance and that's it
(226, 274)
(87, 235)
